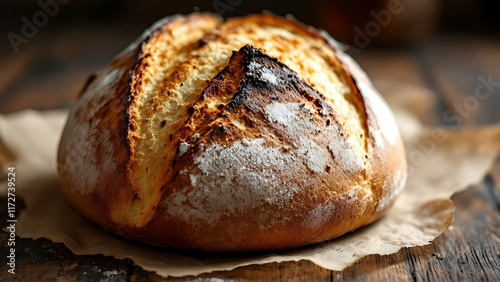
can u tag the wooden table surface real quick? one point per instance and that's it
(48, 72)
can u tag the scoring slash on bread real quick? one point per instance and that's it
(254, 133)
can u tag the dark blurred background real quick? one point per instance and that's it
(49, 47)
(337, 16)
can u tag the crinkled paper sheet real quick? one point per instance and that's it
(442, 162)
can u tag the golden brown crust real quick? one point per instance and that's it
(258, 133)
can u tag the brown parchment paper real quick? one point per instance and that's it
(441, 163)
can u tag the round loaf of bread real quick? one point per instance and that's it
(254, 133)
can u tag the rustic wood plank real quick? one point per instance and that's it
(43, 260)
(468, 251)
(457, 69)
(287, 271)
(50, 73)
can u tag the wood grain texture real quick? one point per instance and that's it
(469, 250)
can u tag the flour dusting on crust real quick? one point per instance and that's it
(262, 72)
(345, 156)
(317, 157)
(99, 93)
(221, 186)
(296, 118)
(86, 178)
(230, 180)
(319, 215)
(183, 147)
(395, 186)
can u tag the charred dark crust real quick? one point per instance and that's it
(337, 48)
(248, 94)
(289, 82)
(223, 84)
(240, 114)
